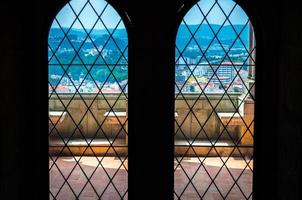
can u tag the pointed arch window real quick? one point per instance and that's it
(88, 78)
(214, 103)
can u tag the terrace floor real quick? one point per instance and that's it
(101, 186)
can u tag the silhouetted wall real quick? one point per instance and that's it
(24, 96)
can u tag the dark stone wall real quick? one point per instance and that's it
(24, 96)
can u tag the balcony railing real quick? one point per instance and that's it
(224, 119)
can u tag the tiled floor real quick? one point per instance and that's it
(100, 185)
(211, 181)
(99, 176)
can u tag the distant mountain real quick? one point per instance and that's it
(99, 37)
(226, 33)
(205, 33)
(58, 32)
(118, 33)
(110, 45)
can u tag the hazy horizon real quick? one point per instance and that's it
(65, 27)
(89, 15)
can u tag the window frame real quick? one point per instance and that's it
(276, 161)
(136, 25)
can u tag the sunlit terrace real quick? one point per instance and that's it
(213, 149)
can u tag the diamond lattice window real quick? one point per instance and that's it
(214, 102)
(88, 75)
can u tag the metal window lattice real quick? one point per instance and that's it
(197, 179)
(68, 53)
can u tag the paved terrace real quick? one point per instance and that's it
(117, 188)
(213, 180)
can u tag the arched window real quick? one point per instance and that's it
(88, 75)
(214, 103)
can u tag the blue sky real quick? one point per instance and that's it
(111, 18)
(216, 16)
(88, 17)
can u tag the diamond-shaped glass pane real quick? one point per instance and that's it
(214, 102)
(88, 78)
